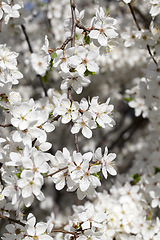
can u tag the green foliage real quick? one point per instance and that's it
(98, 175)
(45, 78)
(136, 178)
(87, 72)
(157, 170)
(86, 39)
(128, 99)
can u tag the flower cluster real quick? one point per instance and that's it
(67, 65)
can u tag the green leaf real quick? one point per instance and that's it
(157, 170)
(98, 125)
(98, 175)
(136, 178)
(86, 38)
(128, 99)
(18, 175)
(54, 55)
(87, 72)
(45, 78)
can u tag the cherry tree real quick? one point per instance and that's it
(64, 67)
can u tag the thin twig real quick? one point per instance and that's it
(80, 26)
(7, 125)
(149, 50)
(76, 142)
(55, 118)
(31, 50)
(12, 220)
(42, 84)
(50, 175)
(63, 231)
(135, 124)
(65, 43)
(70, 95)
(27, 38)
(139, 28)
(134, 17)
(74, 22)
(1, 181)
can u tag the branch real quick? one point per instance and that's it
(65, 43)
(1, 181)
(80, 26)
(12, 220)
(55, 118)
(31, 50)
(50, 175)
(27, 38)
(136, 123)
(74, 22)
(134, 16)
(136, 22)
(7, 125)
(63, 231)
(42, 84)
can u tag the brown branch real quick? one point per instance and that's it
(42, 84)
(50, 175)
(134, 17)
(65, 43)
(63, 231)
(55, 118)
(74, 22)
(7, 125)
(31, 50)
(1, 181)
(139, 28)
(80, 26)
(149, 50)
(27, 38)
(12, 220)
(76, 142)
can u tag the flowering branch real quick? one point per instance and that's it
(139, 28)
(12, 220)
(31, 50)
(27, 38)
(63, 231)
(50, 175)
(80, 26)
(74, 22)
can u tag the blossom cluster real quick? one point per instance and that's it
(47, 142)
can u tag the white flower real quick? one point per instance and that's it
(31, 183)
(91, 218)
(23, 115)
(82, 173)
(68, 110)
(39, 63)
(45, 50)
(7, 58)
(59, 161)
(85, 123)
(11, 189)
(127, 1)
(63, 59)
(74, 80)
(37, 231)
(101, 112)
(11, 12)
(103, 28)
(107, 164)
(155, 7)
(85, 60)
